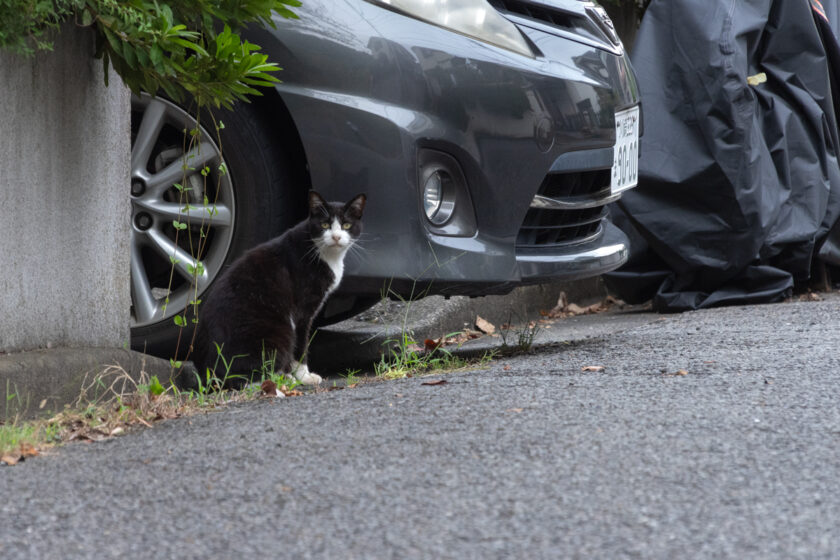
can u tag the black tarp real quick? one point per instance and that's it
(739, 184)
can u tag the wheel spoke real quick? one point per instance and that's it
(147, 135)
(216, 216)
(183, 260)
(194, 160)
(145, 304)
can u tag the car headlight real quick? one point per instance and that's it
(474, 18)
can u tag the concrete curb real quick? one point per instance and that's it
(56, 377)
(359, 342)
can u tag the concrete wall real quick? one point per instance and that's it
(64, 199)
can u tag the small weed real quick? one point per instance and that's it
(284, 382)
(526, 335)
(13, 404)
(12, 436)
(269, 371)
(408, 359)
(523, 336)
(21, 439)
(153, 387)
(351, 378)
(405, 357)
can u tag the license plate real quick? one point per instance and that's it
(625, 170)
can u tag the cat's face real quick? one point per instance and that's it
(334, 226)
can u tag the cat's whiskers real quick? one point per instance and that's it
(362, 238)
(312, 254)
(359, 251)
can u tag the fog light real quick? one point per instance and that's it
(438, 196)
(431, 195)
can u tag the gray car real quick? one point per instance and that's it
(489, 138)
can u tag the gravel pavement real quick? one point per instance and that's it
(711, 434)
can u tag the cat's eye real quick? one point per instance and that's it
(346, 225)
(325, 225)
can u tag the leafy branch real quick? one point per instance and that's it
(185, 48)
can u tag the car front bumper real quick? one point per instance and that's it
(389, 89)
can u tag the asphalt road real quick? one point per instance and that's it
(532, 457)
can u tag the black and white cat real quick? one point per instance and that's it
(266, 301)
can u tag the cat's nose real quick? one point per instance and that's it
(336, 237)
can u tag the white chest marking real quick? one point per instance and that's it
(333, 245)
(337, 267)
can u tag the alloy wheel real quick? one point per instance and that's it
(168, 189)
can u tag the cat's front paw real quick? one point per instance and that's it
(304, 376)
(310, 378)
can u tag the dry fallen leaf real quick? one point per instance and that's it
(507, 368)
(484, 325)
(27, 450)
(99, 435)
(269, 388)
(435, 382)
(290, 392)
(681, 372)
(592, 368)
(462, 337)
(432, 345)
(10, 460)
(575, 309)
(517, 410)
(566, 309)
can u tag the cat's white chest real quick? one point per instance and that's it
(336, 264)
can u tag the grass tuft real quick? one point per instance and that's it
(522, 338)
(113, 402)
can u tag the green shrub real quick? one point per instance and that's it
(186, 48)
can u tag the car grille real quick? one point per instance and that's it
(568, 209)
(596, 27)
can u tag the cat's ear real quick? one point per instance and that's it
(317, 204)
(356, 206)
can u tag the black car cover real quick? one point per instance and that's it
(739, 184)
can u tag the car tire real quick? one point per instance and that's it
(259, 185)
